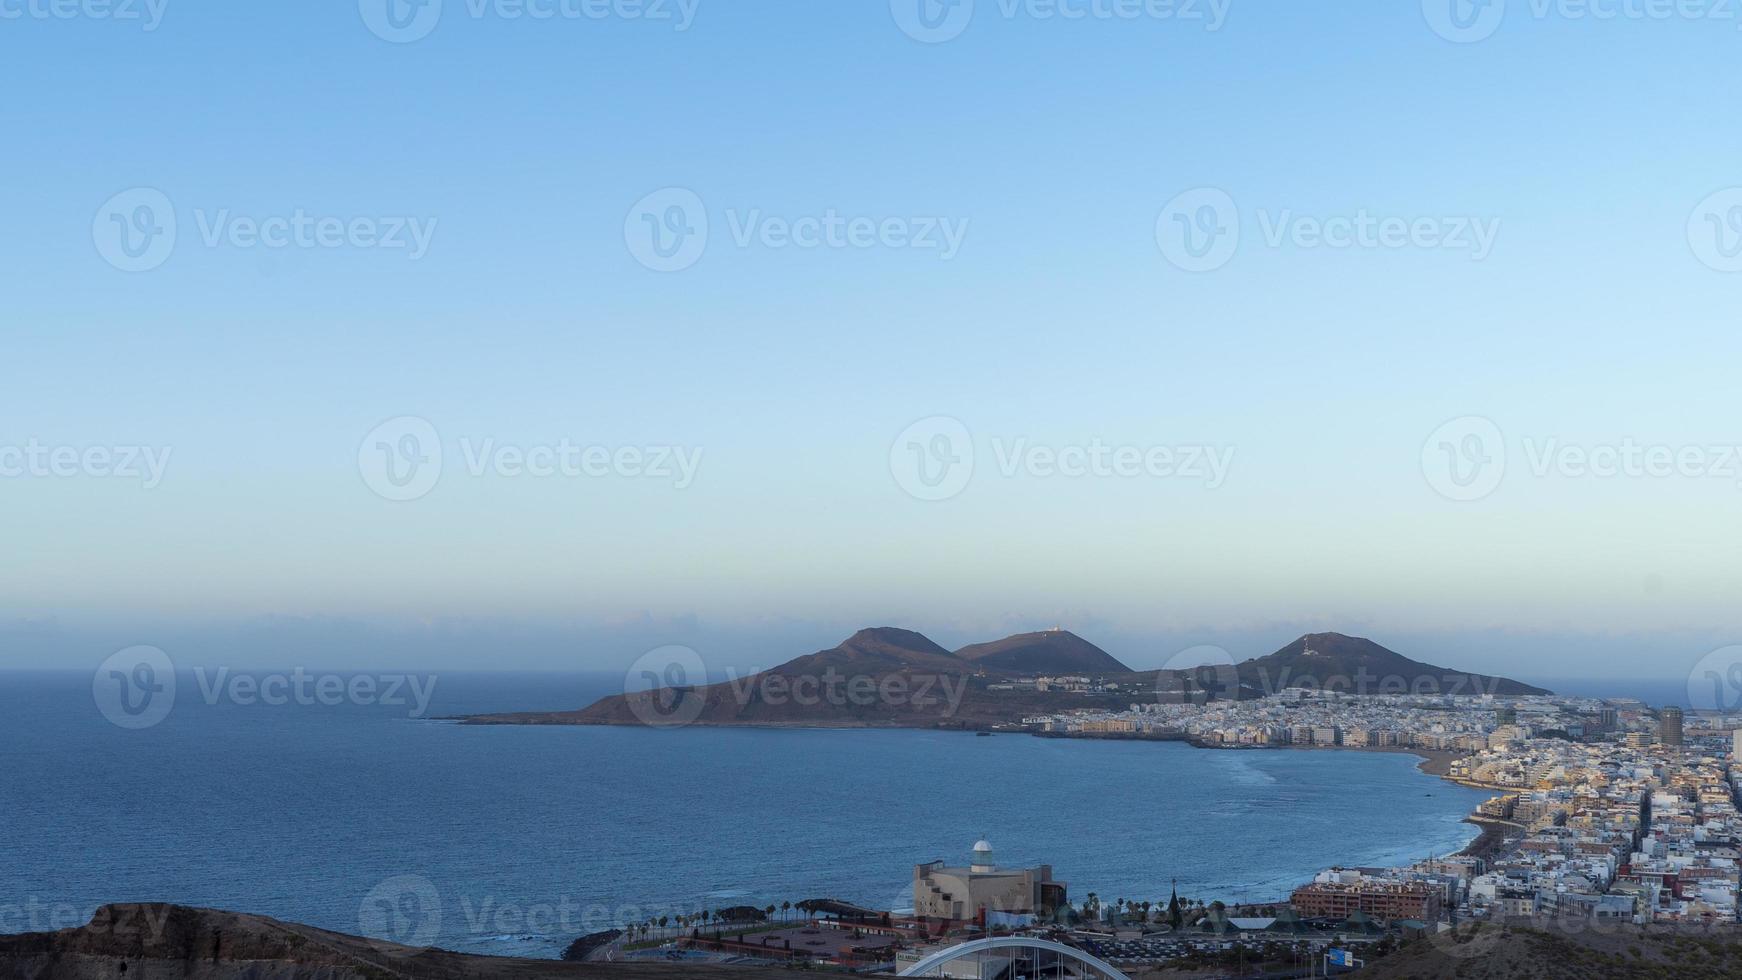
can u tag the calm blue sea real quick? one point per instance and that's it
(516, 839)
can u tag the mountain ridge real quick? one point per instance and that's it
(1357, 665)
(1056, 651)
(892, 677)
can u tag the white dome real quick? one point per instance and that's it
(982, 862)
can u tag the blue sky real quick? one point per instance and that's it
(1053, 146)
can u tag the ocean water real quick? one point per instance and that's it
(1654, 691)
(517, 839)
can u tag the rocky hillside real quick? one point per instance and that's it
(1048, 652)
(888, 677)
(166, 942)
(1357, 665)
(881, 677)
(1485, 951)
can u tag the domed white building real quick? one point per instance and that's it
(982, 864)
(982, 893)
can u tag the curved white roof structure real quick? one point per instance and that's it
(972, 947)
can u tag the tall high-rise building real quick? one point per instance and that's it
(1736, 744)
(1669, 725)
(1507, 715)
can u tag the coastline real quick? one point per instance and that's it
(1490, 834)
(1491, 838)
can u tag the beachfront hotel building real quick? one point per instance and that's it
(1337, 895)
(984, 893)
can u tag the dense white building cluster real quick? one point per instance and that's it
(1612, 829)
(1302, 717)
(1610, 811)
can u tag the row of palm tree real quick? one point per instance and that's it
(703, 919)
(1175, 910)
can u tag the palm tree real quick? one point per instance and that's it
(785, 909)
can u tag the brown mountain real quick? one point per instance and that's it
(896, 678)
(879, 648)
(882, 677)
(1046, 652)
(1357, 665)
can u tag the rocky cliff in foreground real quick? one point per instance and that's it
(172, 942)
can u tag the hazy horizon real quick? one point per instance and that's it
(484, 646)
